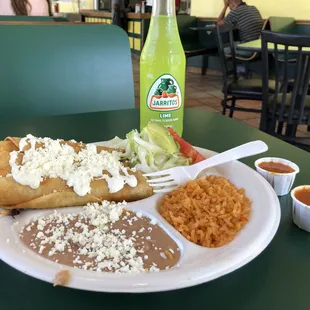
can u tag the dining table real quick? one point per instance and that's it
(276, 279)
(207, 28)
(256, 46)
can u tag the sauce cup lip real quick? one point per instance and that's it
(295, 199)
(279, 159)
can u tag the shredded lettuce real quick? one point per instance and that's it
(151, 150)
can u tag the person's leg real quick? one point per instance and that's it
(227, 50)
(240, 67)
(116, 17)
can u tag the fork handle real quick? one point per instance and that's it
(241, 151)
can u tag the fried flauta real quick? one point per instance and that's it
(62, 278)
(54, 192)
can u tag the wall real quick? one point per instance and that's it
(299, 9)
(72, 6)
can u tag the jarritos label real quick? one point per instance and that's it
(165, 94)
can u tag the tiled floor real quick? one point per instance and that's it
(204, 92)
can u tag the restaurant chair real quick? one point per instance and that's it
(287, 25)
(195, 43)
(247, 58)
(55, 69)
(284, 111)
(233, 88)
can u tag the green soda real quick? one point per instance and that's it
(162, 70)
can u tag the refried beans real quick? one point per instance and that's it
(102, 237)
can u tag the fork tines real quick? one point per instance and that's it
(164, 183)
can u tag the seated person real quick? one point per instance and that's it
(148, 6)
(246, 18)
(24, 7)
(117, 8)
(177, 6)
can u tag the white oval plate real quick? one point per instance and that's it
(197, 264)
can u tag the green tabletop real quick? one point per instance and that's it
(278, 279)
(256, 46)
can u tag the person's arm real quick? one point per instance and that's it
(231, 18)
(221, 17)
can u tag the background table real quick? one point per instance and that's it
(277, 280)
(207, 28)
(256, 46)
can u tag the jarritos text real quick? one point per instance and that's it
(165, 94)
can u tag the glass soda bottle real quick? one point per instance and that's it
(162, 70)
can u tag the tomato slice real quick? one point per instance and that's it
(186, 148)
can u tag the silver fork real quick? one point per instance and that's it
(167, 180)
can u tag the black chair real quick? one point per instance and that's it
(284, 107)
(246, 58)
(196, 42)
(248, 89)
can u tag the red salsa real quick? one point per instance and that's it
(303, 195)
(276, 167)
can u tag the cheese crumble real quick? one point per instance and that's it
(47, 158)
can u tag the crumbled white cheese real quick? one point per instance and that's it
(58, 160)
(141, 230)
(41, 222)
(163, 255)
(28, 228)
(40, 235)
(110, 249)
(154, 268)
